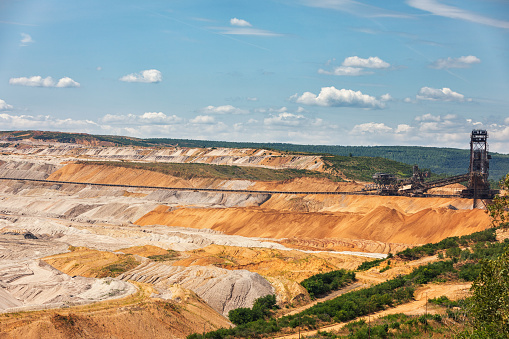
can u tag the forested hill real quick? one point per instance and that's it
(449, 161)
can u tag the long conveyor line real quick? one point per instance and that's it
(217, 190)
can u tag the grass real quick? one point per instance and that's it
(354, 168)
(189, 171)
(124, 264)
(363, 168)
(164, 257)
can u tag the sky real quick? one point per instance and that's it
(332, 72)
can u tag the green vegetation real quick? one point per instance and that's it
(488, 235)
(363, 168)
(124, 264)
(164, 257)
(189, 171)
(446, 302)
(369, 264)
(323, 283)
(355, 168)
(346, 307)
(391, 326)
(262, 308)
(499, 207)
(447, 161)
(490, 300)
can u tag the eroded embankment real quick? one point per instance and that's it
(382, 224)
(387, 219)
(216, 156)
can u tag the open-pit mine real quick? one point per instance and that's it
(134, 259)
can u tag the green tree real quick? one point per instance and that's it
(499, 208)
(490, 300)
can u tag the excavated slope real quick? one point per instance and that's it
(387, 219)
(382, 224)
(222, 289)
(217, 156)
(138, 316)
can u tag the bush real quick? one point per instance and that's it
(261, 308)
(323, 283)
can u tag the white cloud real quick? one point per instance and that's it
(435, 7)
(386, 97)
(4, 106)
(345, 71)
(333, 97)
(225, 109)
(146, 76)
(403, 128)
(38, 81)
(239, 22)
(202, 119)
(355, 66)
(444, 94)
(430, 130)
(285, 119)
(371, 127)
(371, 62)
(147, 118)
(461, 62)
(25, 39)
(45, 122)
(67, 82)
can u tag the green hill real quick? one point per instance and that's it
(445, 161)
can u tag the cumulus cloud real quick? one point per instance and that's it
(239, 22)
(25, 39)
(203, 119)
(147, 118)
(371, 62)
(45, 122)
(4, 106)
(430, 130)
(67, 82)
(333, 97)
(370, 127)
(146, 76)
(345, 71)
(403, 128)
(461, 62)
(436, 8)
(38, 81)
(444, 94)
(225, 109)
(354, 66)
(285, 119)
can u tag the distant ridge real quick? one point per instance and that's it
(448, 161)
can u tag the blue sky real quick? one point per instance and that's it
(337, 72)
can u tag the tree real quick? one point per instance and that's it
(499, 208)
(490, 300)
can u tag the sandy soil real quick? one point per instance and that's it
(232, 248)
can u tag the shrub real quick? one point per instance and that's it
(323, 283)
